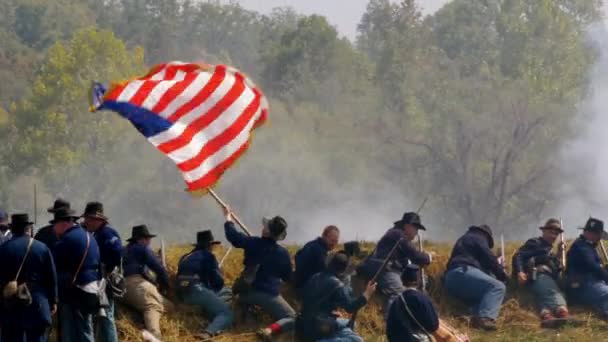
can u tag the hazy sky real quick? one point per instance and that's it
(344, 14)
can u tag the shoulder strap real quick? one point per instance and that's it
(409, 312)
(84, 256)
(27, 252)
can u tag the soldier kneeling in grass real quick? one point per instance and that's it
(322, 295)
(537, 268)
(469, 276)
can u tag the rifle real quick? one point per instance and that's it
(603, 248)
(163, 254)
(351, 322)
(503, 261)
(422, 273)
(561, 249)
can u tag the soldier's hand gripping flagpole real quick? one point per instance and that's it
(236, 219)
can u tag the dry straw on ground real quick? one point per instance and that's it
(518, 320)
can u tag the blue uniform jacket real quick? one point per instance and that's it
(68, 253)
(322, 294)
(39, 274)
(583, 263)
(203, 263)
(473, 249)
(138, 257)
(405, 253)
(47, 236)
(310, 260)
(110, 247)
(274, 261)
(539, 249)
(399, 324)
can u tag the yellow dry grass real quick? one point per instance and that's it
(518, 320)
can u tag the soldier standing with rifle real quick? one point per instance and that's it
(537, 268)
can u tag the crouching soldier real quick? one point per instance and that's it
(77, 259)
(143, 271)
(585, 276)
(468, 276)
(266, 264)
(200, 282)
(398, 239)
(536, 266)
(26, 262)
(322, 295)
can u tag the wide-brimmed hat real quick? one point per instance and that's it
(94, 210)
(553, 224)
(487, 230)
(411, 218)
(277, 226)
(63, 214)
(58, 204)
(20, 220)
(205, 239)
(597, 226)
(140, 232)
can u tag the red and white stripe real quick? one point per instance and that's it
(213, 111)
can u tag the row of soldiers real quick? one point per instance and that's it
(76, 271)
(79, 269)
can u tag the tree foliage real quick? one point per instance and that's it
(466, 106)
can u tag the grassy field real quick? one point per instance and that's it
(518, 320)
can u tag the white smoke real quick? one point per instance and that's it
(584, 160)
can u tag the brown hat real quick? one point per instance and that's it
(63, 214)
(94, 210)
(553, 224)
(140, 232)
(58, 204)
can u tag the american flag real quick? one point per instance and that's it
(201, 116)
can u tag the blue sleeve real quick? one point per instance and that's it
(344, 300)
(529, 250)
(407, 251)
(154, 264)
(236, 238)
(50, 278)
(318, 260)
(588, 259)
(113, 248)
(216, 280)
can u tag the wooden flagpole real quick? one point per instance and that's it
(236, 219)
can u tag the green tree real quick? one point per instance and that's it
(52, 128)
